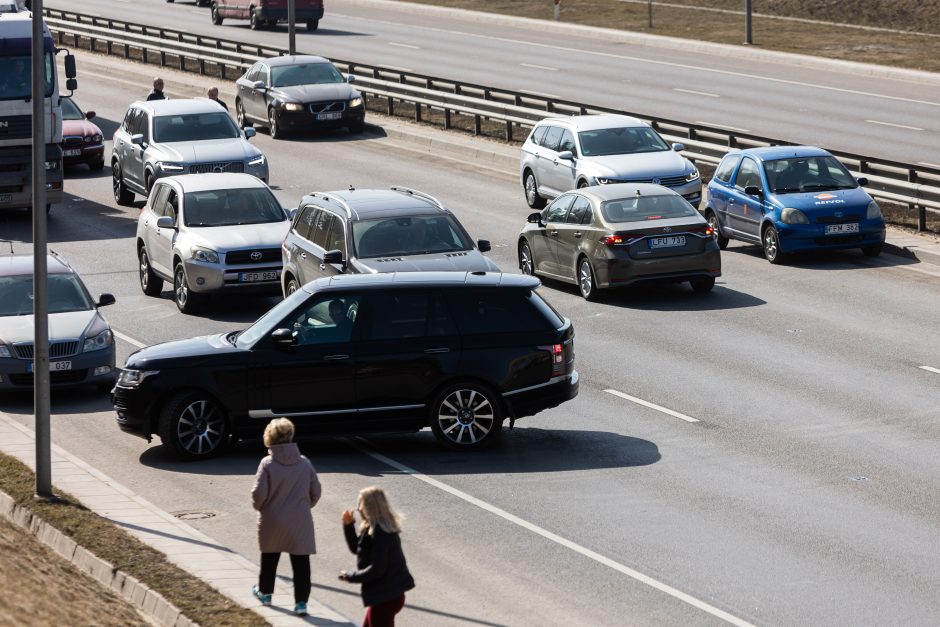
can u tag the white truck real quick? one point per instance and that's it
(16, 143)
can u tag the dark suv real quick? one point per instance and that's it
(456, 351)
(376, 230)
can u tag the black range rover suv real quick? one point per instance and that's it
(457, 351)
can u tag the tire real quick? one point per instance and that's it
(461, 421)
(586, 283)
(240, 116)
(193, 426)
(872, 251)
(273, 127)
(716, 226)
(526, 259)
(148, 182)
(703, 285)
(531, 187)
(313, 25)
(292, 286)
(96, 166)
(254, 22)
(122, 195)
(582, 184)
(214, 15)
(150, 283)
(770, 241)
(186, 300)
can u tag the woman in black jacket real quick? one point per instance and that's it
(380, 562)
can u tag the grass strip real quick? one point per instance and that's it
(196, 599)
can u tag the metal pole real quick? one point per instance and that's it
(40, 297)
(650, 4)
(291, 27)
(747, 22)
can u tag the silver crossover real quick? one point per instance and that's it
(210, 233)
(562, 154)
(167, 137)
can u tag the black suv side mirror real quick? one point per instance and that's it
(752, 190)
(862, 180)
(105, 299)
(484, 245)
(333, 256)
(283, 337)
(535, 218)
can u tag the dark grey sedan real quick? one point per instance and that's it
(617, 235)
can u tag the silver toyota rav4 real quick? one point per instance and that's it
(562, 154)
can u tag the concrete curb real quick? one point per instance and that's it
(145, 599)
(913, 251)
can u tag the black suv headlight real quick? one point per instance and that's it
(133, 378)
(355, 103)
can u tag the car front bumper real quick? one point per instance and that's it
(16, 374)
(796, 238)
(305, 120)
(86, 154)
(215, 277)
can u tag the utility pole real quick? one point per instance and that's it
(747, 22)
(41, 402)
(291, 27)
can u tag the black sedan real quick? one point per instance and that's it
(617, 235)
(298, 93)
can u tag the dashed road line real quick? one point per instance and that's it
(696, 93)
(730, 128)
(665, 410)
(129, 339)
(539, 67)
(930, 369)
(409, 46)
(893, 125)
(548, 535)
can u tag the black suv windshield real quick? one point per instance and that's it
(807, 174)
(223, 207)
(65, 294)
(409, 235)
(268, 322)
(620, 141)
(647, 208)
(306, 74)
(194, 127)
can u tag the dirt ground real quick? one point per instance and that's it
(41, 588)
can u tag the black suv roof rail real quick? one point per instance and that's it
(350, 212)
(414, 192)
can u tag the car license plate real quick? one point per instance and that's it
(330, 115)
(835, 229)
(74, 152)
(667, 242)
(54, 366)
(252, 277)
(6, 198)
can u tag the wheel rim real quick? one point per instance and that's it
(585, 279)
(770, 244)
(525, 255)
(466, 416)
(144, 269)
(116, 180)
(291, 287)
(530, 189)
(200, 427)
(713, 223)
(182, 292)
(272, 123)
(240, 113)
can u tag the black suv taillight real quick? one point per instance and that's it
(558, 358)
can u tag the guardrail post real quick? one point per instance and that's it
(417, 112)
(508, 131)
(391, 105)
(476, 124)
(446, 119)
(549, 106)
(863, 166)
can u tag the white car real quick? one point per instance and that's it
(210, 233)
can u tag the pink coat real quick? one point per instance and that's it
(286, 488)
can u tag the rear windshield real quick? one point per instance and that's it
(223, 207)
(642, 208)
(621, 141)
(65, 293)
(808, 174)
(194, 127)
(306, 74)
(409, 235)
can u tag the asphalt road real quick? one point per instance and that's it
(845, 110)
(805, 493)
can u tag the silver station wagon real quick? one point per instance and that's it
(210, 233)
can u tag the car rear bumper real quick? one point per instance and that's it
(530, 401)
(624, 271)
(796, 238)
(301, 15)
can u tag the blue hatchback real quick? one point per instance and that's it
(791, 199)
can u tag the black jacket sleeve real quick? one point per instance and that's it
(352, 541)
(378, 562)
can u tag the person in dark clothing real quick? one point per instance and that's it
(380, 562)
(213, 94)
(157, 93)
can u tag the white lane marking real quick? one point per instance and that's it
(577, 548)
(730, 128)
(930, 369)
(397, 69)
(539, 67)
(398, 45)
(696, 93)
(640, 401)
(541, 95)
(929, 165)
(129, 339)
(910, 128)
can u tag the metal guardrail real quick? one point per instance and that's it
(918, 187)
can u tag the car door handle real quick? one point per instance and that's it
(577, 234)
(303, 255)
(335, 357)
(323, 266)
(554, 233)
(431, 351)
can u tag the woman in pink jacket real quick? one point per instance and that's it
(286, 488)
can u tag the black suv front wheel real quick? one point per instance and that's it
(466, 415)
(193, 426)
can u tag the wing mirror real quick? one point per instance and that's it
(333, 256)
(89, 115)
(137, 140)
(862, 180)
(484, 245)
(283, 337)
(105, 299)
(752, 190)
(250, 132)
(678, 147)
(165, 222)
(567, 155)
(258, 85)
(535, 218)
(351, 78)
(291, 213)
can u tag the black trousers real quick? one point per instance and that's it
(300, 565)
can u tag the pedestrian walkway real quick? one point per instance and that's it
(223, 569)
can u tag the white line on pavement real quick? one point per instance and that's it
(930, 369)
(892, 124)
(398, 45)
(696, 93)
(730, 128)
(129, 339)
(539, 67)
(541, 95)
(640, 401)
(597, 557)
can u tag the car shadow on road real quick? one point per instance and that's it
(75, 219)
(521, 450)
(64, 401)
(847, 259)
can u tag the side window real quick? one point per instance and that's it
(538, 135)
(337, 237)
(304, 221)
(748, 175)
(580, 209)
(325, 320)
(172, 204)
(397, 315)
(726, 167)
(263, 75)
(130, 121)
(254, 73)
(496, 310)
(552, 137)
(142, 126)
(320, 231)
(556, 211)
(567, 142)
(158, 205)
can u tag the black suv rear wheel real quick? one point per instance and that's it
(466, 415)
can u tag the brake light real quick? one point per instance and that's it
(704, 229)
(612, 240)
(558, 358)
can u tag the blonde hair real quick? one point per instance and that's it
(278, 431)
(376, 512)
